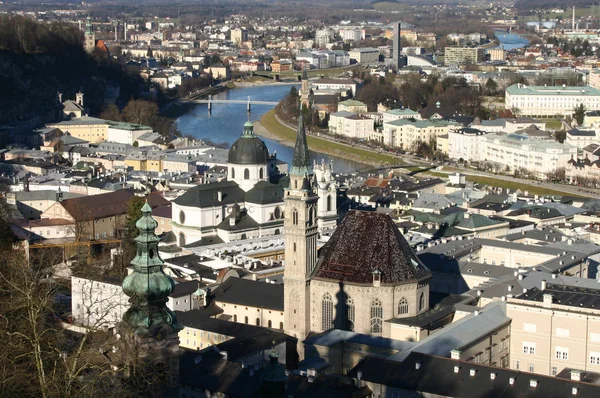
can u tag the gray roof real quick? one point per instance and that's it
(335, 336)
(207, 195)
(250, 293)
(461, 333)
(264, 193)
(23, 196)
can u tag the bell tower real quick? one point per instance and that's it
(90, 37)
(300, 239)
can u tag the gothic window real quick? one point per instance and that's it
(270, 324)
(376, 318)
(246, 174)
(403, 306)
(350, 314)
(232, 173)
(422, 302)
(261, 173)
(246, 320)
(326, 312)
(328, 202)
(310, 216)
(181, 239)
(294, 247)
(295, 217)
(181, 217)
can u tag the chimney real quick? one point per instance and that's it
(224, 354)
(472, 372)
(544, 284)
(455, 354)
(359, 377)
(59, 97)
(547, 300)
(220, 196)
(417, 365)
(533, 383)
(576, 375)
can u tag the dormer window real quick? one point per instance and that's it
(376, 277)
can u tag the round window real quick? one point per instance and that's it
(277, 213)
(181, 217)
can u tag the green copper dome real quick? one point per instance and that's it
(148, 286)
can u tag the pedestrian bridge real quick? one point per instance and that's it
(241, 102)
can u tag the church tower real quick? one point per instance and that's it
(300, 239)
(305, 89)
(326, 186)
(150, 328)
(90, 37)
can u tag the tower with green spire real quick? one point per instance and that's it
(149, 325)
(90, 37)
(300, 240)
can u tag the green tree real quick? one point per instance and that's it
(491, 86)
(134, 213)
(579, 114)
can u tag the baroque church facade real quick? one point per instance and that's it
(365, 276)
(249, 204)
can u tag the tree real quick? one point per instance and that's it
(491, 86)
(579, 114)
(560, 136)
(140, 112)
(111, 112)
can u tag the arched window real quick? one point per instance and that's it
(244, 236)
(181, 217)
(294, 247)
(270, 324)
(295, 184)
(235, 317)
(257, 321)
(328, 202)
(422, 302)
(350, 314)
(281, 325)
(277, 213)
(261, 173)
(277, 231)
(246, 320)
(181, 239)
(232, 173)
(246, 174)
(326, 312)
(376, 318)
(295, 217)
(310, 216)
(403, 306)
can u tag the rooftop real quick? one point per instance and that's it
(521, 89)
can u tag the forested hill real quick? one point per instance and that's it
(37, 60)
(547, 4)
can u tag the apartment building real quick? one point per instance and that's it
(238, 36)
(404, 113)
(350, 124)
(323, 37)
(352, 34)
(406, 133)
(554, 327)
(544, 101)
(514, 151)
(464, 144)
(125, 133)
(463, 55)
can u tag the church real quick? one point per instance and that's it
(249, 204)
(365, 276)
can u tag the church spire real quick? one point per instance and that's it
(88, 26)
(301, 162)
(148, 286)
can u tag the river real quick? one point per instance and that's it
(225, 122)
(510, 41)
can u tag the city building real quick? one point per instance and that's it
(351, 125)
(406, 133)
(366, 55)
(238, 36)
(352, 106)
(352, 34)
(555, 326)
(463, 55)
(86, 128)
(544, 101)
(323, 37)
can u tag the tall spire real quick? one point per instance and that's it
(148, 286)
(301, 162)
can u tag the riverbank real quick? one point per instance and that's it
(269, 127)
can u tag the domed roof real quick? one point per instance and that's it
(248, 149)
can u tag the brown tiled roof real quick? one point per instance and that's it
(364, 242)
(98, 206)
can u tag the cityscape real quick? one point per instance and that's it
(362, 199)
